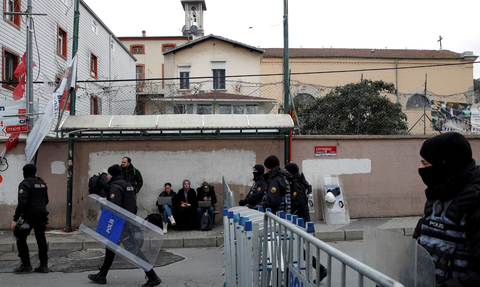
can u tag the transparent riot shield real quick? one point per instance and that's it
(130, 236)
(398, 257)
(335, 212)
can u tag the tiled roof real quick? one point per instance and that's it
(360, 53)
(218, 96)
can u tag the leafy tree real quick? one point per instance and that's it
(356, 108)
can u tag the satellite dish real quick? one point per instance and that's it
(184, 29)
(193, 29)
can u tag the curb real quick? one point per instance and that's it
(186, 242)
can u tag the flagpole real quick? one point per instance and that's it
(71, 137)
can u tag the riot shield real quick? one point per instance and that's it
(398, 257)
(135, 239)
(335, 212)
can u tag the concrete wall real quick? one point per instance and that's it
(379, 174)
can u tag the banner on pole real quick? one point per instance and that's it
(44, 123)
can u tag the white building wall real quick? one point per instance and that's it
(119, 64)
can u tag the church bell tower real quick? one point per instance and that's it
(193, 18)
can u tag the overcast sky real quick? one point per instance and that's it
(379, 24)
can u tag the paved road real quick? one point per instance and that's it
(197, 267)
(186, 267)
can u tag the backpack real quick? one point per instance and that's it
(96, 184)
(155, 219)
(205, 222)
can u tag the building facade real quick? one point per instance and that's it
(101, 56)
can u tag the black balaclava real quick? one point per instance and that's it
(260, 171)
(292, 168)
(449, 153)
(29, 170)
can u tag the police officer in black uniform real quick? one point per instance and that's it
(300, 187)
(277, 193)
(254, 197)
(32, 207)
(122, 194)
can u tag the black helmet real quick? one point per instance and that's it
(22, 229)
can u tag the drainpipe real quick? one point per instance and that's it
(396, 78)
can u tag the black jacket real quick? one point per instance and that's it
(464, 188)
(191, 196)
(121, 193)
(300, 188)
(32, 198)
(277, 191)
(255, 195)
(133, 176)
(211, 193)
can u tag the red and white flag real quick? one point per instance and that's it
(22, 66)
(19, 90)
(12, 141)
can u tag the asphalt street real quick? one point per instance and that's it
(185, 267)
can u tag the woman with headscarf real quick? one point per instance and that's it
(186, 204)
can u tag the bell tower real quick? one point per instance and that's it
(193, 17)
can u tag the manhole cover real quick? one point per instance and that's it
(86, 254)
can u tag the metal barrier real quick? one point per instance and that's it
(228, 198)
(263, 249)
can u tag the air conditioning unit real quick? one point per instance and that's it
(203, 91)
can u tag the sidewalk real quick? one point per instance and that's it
(76, 240)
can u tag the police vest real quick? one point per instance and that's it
(443, 235)
(37, 196)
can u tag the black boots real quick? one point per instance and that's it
(153, 279)
(100, 277)
(42, 268)
(25, 267)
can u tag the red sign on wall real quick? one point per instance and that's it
(16, 129)
(325, 151)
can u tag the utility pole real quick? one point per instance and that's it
(71, 137)
(286, 78)
(29, 62)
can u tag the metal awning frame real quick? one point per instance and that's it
(278, 125)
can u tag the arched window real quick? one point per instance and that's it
(418, 101)
(303, 99)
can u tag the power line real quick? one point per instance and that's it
(274, 74)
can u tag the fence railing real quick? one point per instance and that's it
(263, 249)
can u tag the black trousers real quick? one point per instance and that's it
(38, 225)
(130, 243)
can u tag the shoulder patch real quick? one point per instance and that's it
(259, 189)
(273, 189)
(20, 191)
(112, 196)
(294, 194)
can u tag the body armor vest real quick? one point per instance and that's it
(443, 235)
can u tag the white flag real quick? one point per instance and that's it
(44, 123)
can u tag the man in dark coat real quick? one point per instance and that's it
(131, 174)
(450, 226)
(32, 207)
(277, 193)
(300, 188)
(206, 192)
(255, 195)
(121, 194)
